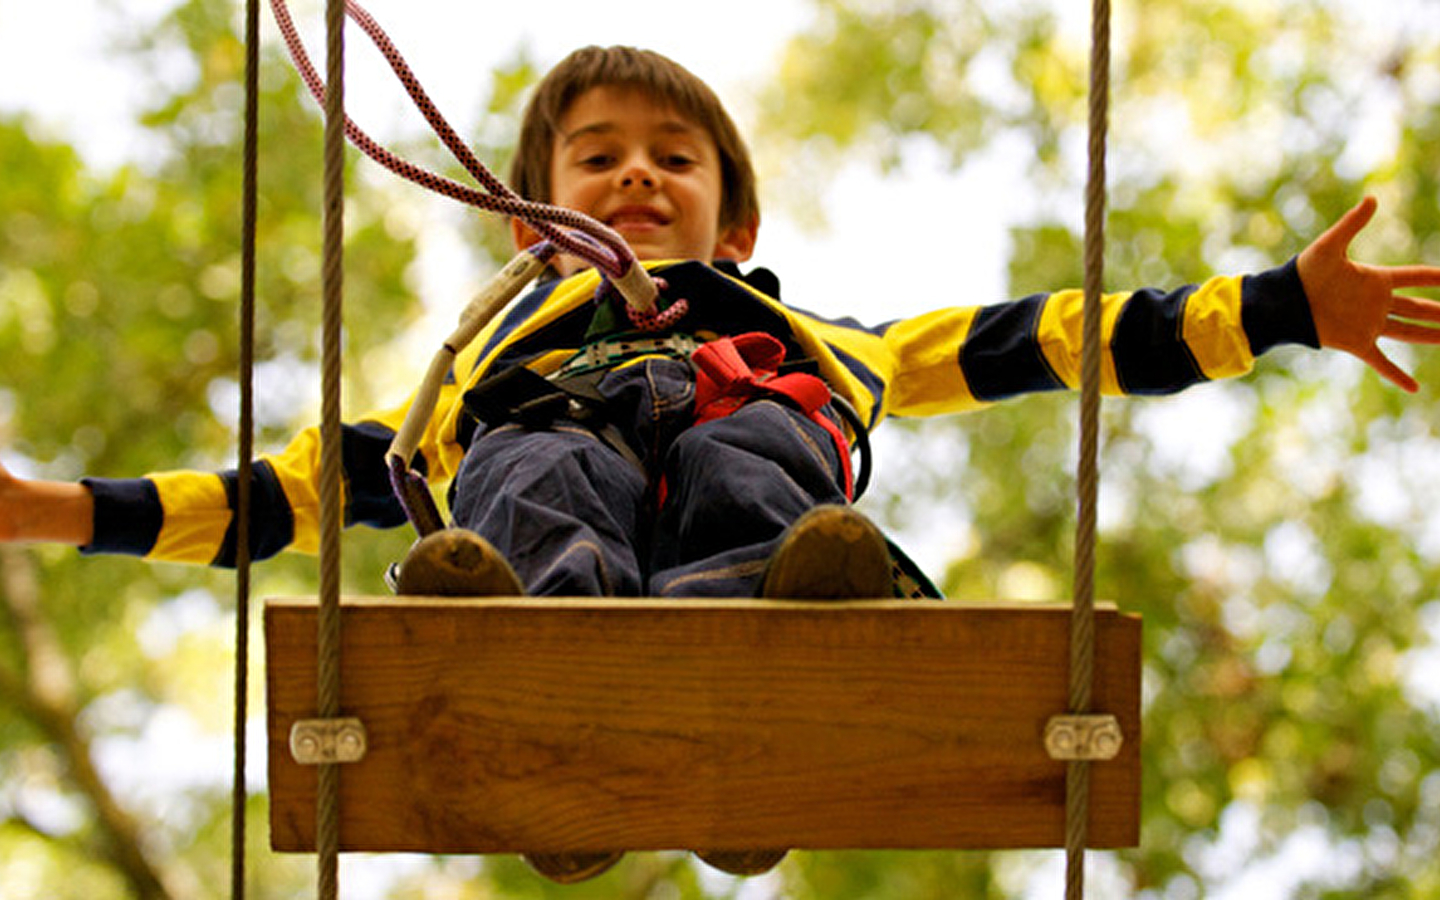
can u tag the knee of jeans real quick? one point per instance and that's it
(764, 430)
(535, 454)
(585, 568)
(560, 470)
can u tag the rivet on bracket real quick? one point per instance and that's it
(316, 742)
(1094, 737)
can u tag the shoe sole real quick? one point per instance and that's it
(459, 563)
(570, 868)
(456, 563)
(830, 553)
(742, 862)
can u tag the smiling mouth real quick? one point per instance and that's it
(636, 217)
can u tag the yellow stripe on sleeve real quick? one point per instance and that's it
(928, 379)
(196, 535)
(1213, 329)
(297, 469)
(1061, 332)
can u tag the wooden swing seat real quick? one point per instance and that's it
(504, 725)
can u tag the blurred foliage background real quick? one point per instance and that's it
(1278, 532)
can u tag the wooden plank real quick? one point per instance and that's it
(506, 725)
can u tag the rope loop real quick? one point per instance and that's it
(655, 319)
(658, 319)
(570, 231)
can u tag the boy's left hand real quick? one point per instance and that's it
(1354, 305)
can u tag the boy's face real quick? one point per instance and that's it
(645, 171)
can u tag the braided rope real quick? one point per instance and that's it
(1082, 623)
(606, 250)
(328, 689)
(246, 444)
(441, 127)
(659, 319)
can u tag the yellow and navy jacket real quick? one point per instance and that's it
(950, 360)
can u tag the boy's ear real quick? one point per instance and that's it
(738, 241)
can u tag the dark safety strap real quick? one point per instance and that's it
(533, 401)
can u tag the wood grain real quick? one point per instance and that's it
(506, 725)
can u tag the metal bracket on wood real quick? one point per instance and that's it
(1095, 737)
(316, 742)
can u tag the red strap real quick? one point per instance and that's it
(732, 371)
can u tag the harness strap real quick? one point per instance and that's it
(732, 371)
(606, 352)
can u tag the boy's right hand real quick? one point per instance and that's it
(54, 511)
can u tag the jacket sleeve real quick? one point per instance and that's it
(189, 516)
(1155, 342)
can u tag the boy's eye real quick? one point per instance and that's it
(596, 160)
(677, 160)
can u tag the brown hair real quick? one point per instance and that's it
(665, 81)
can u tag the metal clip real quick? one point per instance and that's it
(316, 742)
(1095, 737)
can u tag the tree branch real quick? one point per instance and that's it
(45, 693)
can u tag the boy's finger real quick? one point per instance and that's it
(1415, 308)
(1350, 224)
(1410, 333)
(1382, 364)
(1414, 276)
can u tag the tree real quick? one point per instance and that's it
(1283, 566)
(118, 353)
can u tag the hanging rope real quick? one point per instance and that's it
(1082, 624)
(568, 230)
(245, 451)
(497, 197)
(327, 819)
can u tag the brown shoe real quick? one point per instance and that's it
(456, 563)
(460, 563)
(830, 553)
(569, 868)
(742, 862)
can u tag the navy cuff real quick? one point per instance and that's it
(1274, 309)
(128, 516)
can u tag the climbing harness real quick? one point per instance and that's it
(731, 372)
(607, 352)
(518, 396)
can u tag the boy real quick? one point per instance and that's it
(666, 473)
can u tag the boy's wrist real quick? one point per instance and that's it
(1275, 309)
(50, 512)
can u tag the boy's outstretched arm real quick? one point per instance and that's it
(53, 511)
(1354, 305)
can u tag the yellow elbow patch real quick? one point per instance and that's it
(1213, 329)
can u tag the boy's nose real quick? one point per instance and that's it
(636, 175)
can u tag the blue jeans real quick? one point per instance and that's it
(698, 516)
